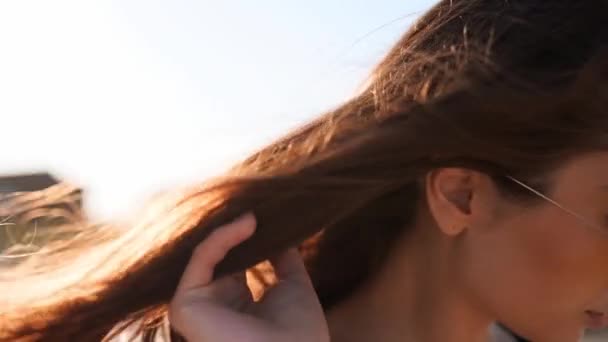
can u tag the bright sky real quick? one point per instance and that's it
(129, 97)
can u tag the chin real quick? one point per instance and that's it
(548, 333)
(559, 334)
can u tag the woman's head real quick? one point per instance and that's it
(537, 264)
(476, 91)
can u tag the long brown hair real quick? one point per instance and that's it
(501, 86)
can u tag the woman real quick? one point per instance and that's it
(465, 185)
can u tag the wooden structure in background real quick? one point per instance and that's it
(32, 204)
(26, 182)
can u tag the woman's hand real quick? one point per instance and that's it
(223, 310)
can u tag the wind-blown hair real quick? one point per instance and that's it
(506, 87)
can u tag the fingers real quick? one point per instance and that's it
(213, 249)
(290, 267)
(190, 310)
(207, 309)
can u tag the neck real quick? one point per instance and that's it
(414, 297)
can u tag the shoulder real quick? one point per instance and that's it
(499, 334)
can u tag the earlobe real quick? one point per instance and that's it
(454, 230)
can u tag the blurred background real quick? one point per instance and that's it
(122, 99)
(126, 98)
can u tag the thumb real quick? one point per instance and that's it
(293, 299)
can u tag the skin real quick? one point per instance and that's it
(224, 310)
(472, 258)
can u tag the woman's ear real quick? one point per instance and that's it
(450, 193)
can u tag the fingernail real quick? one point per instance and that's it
(244, 217)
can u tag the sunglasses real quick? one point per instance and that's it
(581, 218)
